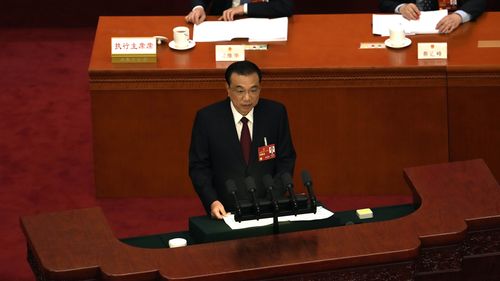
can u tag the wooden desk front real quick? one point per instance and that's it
(454, 235)
(357, 116)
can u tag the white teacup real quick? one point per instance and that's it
(397, 35)
(181, 36)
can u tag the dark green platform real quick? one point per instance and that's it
(204, 229)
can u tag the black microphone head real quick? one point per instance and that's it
(231, 186)
(306, 178)
(268, 181)
(250, 182)
(287, 179)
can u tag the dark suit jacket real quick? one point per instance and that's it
(271, 9)
(215, 152)
(473, 7)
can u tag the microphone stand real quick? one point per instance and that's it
(273, 207)
(250, 182)
(288, 183)
(269, 182)
(231, 187)
(306, 179)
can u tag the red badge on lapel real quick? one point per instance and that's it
(267, 152)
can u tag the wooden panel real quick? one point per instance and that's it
(474, 95)
(475, 124)
(141, 139)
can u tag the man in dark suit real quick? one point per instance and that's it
(229, 9)
(410, 9)
(225, 146)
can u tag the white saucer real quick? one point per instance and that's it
(190, 45)
(406, 42)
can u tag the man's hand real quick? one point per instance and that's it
(229, 14)
(410, 11)
(217, 210)
(449, 23)
(196, 16)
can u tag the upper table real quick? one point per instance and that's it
(314, 42)
(357, 116)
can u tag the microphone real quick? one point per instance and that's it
(306, 179)
(288, 183)
(252, 188)
(231, 188)
(269, 183)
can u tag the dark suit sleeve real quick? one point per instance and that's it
(271, 9)
(389, 6)
(473, 7)
(200, 170)
(285, 150)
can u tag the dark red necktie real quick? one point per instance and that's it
(245, 140)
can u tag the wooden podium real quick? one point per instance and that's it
(454, 235)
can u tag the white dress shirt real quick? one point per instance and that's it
(237, 121)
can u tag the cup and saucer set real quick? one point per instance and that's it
(181, 40)
(397, 38)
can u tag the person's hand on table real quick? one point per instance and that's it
(217, 210)
(196, 16)
(229, 14)
(449, 23)
(410, 11)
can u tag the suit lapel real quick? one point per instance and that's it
(258, 135)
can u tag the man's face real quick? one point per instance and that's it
(244, 91)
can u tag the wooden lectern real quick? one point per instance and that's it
(454, 235)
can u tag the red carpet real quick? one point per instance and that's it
(46, 149)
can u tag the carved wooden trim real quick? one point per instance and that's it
(482, 242)
(440, 259)
(476, 79)
(396, 272)
(168, 80)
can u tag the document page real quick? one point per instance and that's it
(426, 24)
(321, 213)
(255, 29)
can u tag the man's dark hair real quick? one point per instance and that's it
(242, 68)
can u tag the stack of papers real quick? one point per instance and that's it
(426, 24)
(256, 30)
(321, 213)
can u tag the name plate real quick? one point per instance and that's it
(371, 45)
(229, 52)
(258, 47)
(133, 49)
(488, 44)
(432, 51)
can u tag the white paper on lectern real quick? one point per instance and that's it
(255, 29)
(426, 24)
(321, 213)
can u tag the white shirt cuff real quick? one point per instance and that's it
(465, 16)
(200, 6)
(398, 8)
(245, 8)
